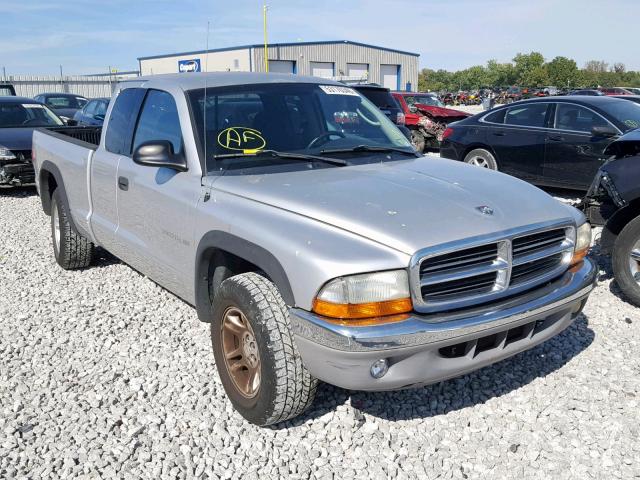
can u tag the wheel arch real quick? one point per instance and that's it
(221, 255)
(616, 223)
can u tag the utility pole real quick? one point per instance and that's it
(264, 21)
(4, 73)
(61, 79)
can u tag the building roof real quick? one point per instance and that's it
(195, 80)
(290, 44)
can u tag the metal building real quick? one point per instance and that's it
(340, 60)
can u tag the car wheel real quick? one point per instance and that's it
(255, 353)
(418, 141)
(626, 261)
(480, 157)
(71, 250)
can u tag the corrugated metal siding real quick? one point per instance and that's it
(341, 54)
(87, 86)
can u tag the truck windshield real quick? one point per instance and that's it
(308, 119)
(27, 115)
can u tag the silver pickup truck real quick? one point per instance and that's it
(301, 224)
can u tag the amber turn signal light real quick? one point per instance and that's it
(362, 310)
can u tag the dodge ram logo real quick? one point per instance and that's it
(483, 209)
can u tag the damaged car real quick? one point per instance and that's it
(18, 118)
(427, 118)
(613, 201)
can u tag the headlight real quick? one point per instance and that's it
(583, 242)
(365, 296)
(6, 154)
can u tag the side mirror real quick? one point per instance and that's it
(413, 108)
(607, 132)
(159, 153)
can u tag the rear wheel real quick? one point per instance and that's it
(626, 261)
(418, 141)
(480, 157)
(256, 356)
(71, 250)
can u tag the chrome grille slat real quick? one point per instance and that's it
(459, 275)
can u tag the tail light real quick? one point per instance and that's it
(400, 118)
(447, 133)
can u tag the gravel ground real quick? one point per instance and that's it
(105, 375)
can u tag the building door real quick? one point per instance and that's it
(322, 69)
(358, 71)
(390, 76)
(282, 66)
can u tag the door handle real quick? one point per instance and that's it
(499, 134)
(555, 138)
(123, 183)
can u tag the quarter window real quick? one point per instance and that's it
(159, 120)
(121, 121)
(496, 117)
(528, 115)
(577, 118)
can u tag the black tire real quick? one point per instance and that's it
(418, 141)
(286, 387)
(622, 262)
(481, 158)
(70, 249)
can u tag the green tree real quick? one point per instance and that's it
(562, 72)
(527, 63)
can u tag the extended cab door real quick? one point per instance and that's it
(116, 141)
(573, 154)
(156, 205)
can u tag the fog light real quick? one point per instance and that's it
(379, 368)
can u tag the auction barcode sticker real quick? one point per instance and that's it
(337, 90)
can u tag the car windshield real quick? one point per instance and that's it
(27, 115)
(627, 113)
(299, 118)
(423, 99)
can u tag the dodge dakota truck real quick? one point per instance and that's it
(301, 224)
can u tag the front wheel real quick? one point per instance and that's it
(626, 261)
(481, 158)
(256, 356)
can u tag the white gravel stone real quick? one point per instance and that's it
(103, 374)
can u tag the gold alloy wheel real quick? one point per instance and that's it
(241, 354)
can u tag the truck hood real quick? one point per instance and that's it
(441, 112)
(16, 138)
(406, 205)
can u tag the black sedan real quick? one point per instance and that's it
(557, 141)
(64, 104)
(92, 113)
(18, 118)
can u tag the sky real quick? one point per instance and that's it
(89, 36)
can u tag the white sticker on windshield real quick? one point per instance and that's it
(337, 90)
(31, 105)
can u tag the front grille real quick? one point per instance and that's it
(460, 277)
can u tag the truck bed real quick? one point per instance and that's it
(89, 136)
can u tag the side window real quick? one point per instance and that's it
(496, 117)
(577, 118)
(122, 119)
(90, 109)
(527, 115)
(159, 120)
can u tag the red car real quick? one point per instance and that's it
(427, 117)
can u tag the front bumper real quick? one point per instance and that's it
(17, 173)
(424, 349)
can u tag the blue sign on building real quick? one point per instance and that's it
(192, 65)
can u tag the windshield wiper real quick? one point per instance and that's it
(369, 148)
(294, 156)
